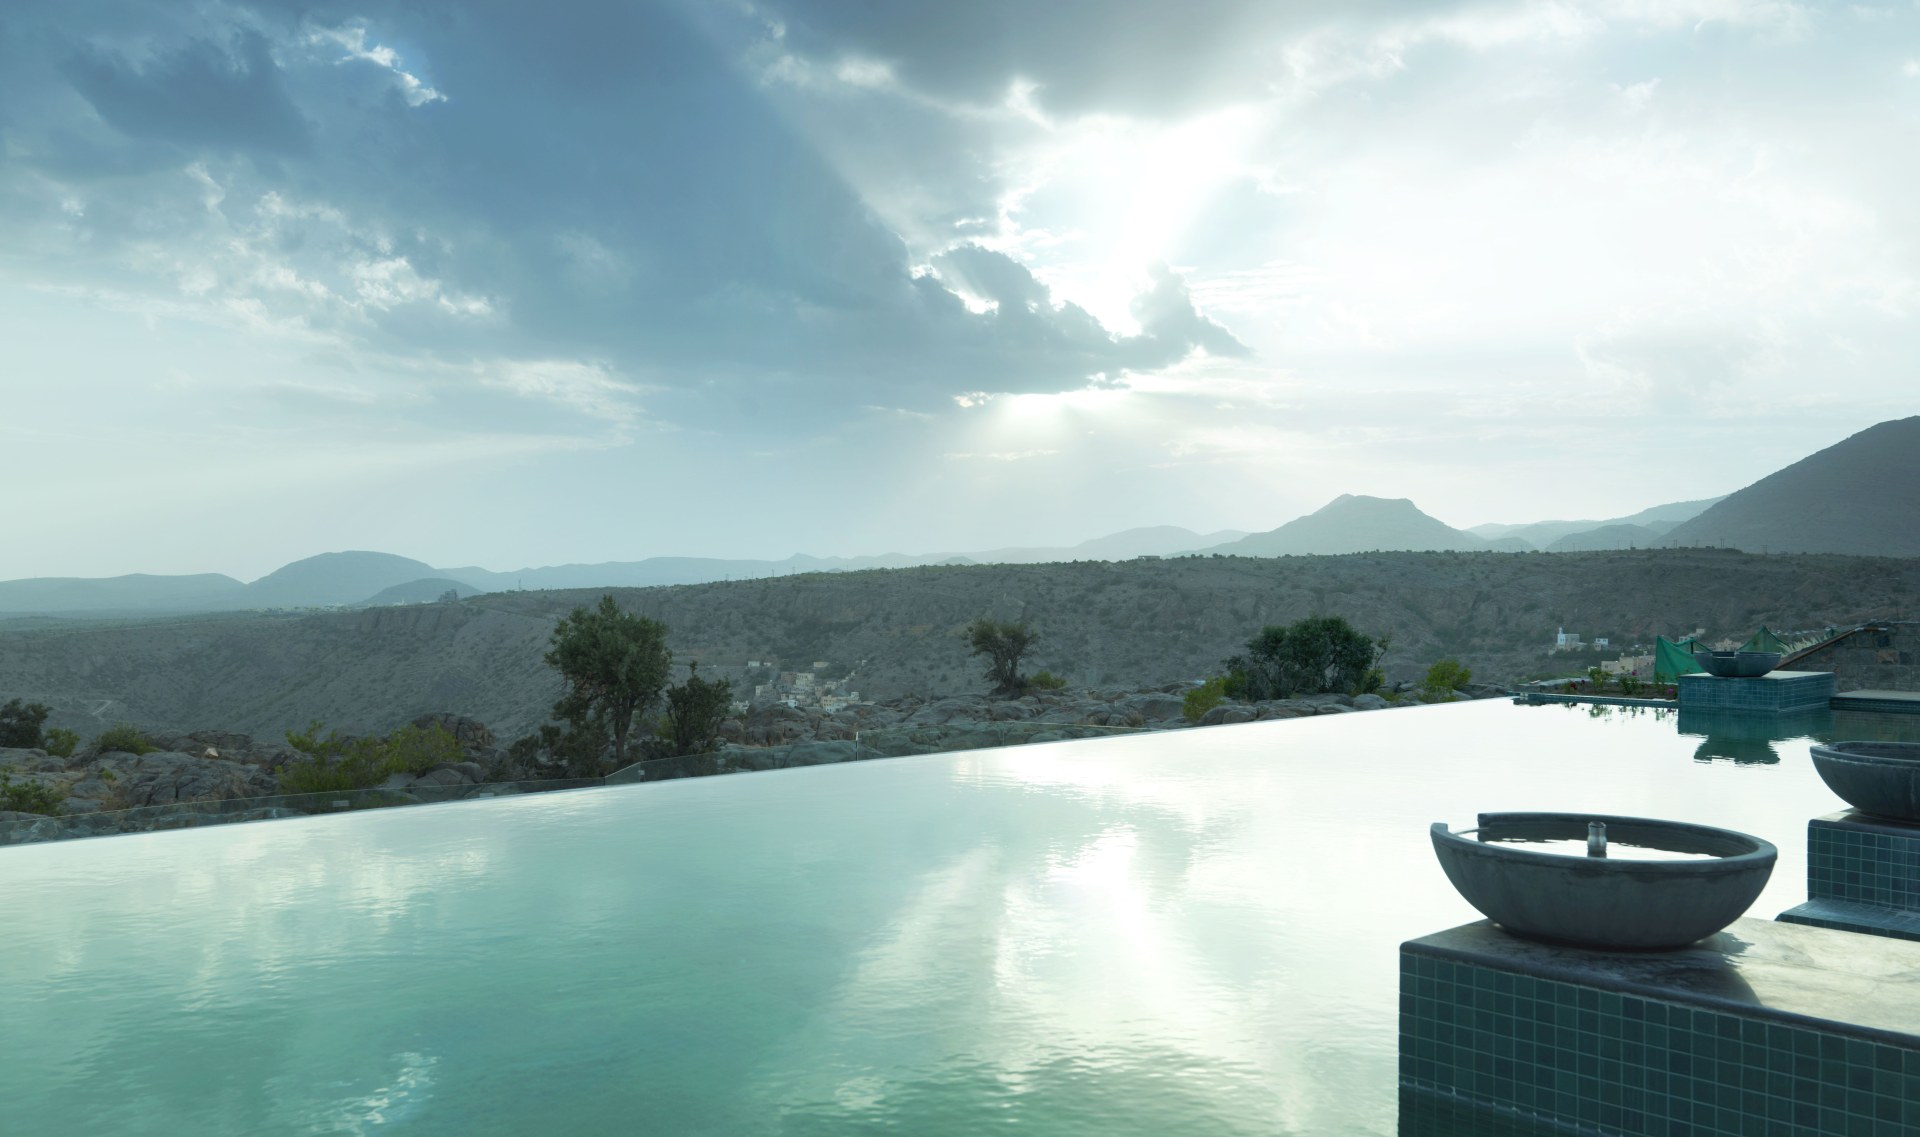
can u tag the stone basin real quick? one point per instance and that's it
(1608, 903)
(1737, 664)
(1881, 778)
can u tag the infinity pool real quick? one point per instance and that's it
(1188, 933)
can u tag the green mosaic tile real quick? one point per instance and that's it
(1602, 1061)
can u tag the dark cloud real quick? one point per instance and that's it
(205, 94)
(1064, 338)
(600, 182)
(1144, 57)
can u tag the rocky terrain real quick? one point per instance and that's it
(221, 777)
(195, 778)
(1104, 626)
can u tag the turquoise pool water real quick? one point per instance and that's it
(1185, 933)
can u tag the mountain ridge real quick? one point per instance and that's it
(1355, 523)
(1860, 496)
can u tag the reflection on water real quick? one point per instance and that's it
(1746, 738)
(1616, 850)
(1193, 932)
(1868, 726)
(1430, 1115)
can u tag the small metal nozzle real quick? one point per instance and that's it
(1596, 838)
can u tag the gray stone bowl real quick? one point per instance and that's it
(1881, 778)
(1603, 902)
(1737, 664)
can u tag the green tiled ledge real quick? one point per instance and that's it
(1765, 1029)
(1849, 916)
(1865, 859)
(1774, 692)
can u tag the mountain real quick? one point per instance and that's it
(139, 592)
(426, 590)
(351, 578)
(1620, 536)
(1542, 534)
(1352, 523)
(1152, 541)
(333, 578)
(1108, 625)
(1158, 540)
(1860, 496)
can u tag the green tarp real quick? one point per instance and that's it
(1765, 640)
(1673, 659)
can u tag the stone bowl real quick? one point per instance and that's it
(1737, 664)
(1613, 904)
(1881, 778)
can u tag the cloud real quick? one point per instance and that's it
(227, 96)
(607, 187)
(353, 38)
(1059, 338)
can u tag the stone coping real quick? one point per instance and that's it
(1855, 819)
(1854, 916)
(1839, 982)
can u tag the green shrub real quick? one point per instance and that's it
(1319, 653)
(124, 736)
(29, 797)
(20, 724)
(1204, 698)
(61, 742)
(1444, 678)
(1046, 681)
(335, 762)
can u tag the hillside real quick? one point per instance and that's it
(1544, 534)
(1129, 624)
(1621, 536)
(334, 578)
(1860, 495)
(1353, 523)
(428, 590)
(132, 593)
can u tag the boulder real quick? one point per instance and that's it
(444, 776)
(1370, 703)
(965, 708)
(1155, 705)
(18, 761)
(170, 776)
(1335, 709)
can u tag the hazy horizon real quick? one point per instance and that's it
(483, 284)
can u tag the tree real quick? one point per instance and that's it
(1318, 653)
(695, 710)
(1444, 678)
(614, 664)
(1003, 644)
(20, 724)
(1195, 704)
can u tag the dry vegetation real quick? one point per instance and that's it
(1108, 625)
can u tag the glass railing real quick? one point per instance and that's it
(890, 742)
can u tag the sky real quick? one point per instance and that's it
(506, 284)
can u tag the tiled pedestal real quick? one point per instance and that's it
(1767, 1028)
(1863, 875)
(1771, 693)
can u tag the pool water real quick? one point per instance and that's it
(1616, 850)
(1184, 933)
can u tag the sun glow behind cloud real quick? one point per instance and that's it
(1447, 251)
